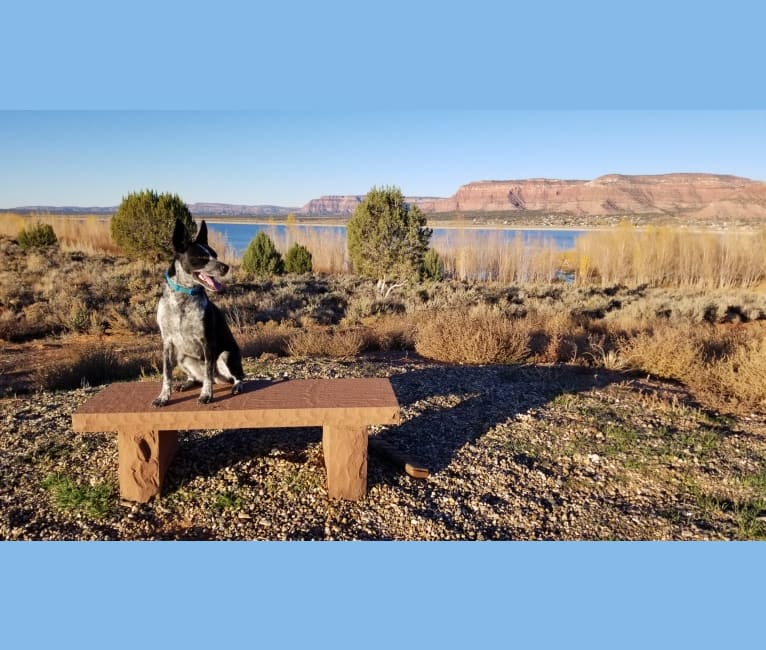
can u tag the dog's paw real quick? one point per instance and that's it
(237, 388)
(205, 398)
(160, 401)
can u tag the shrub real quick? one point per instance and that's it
(432, 268)
(298, 259)
(143, 225)
(321, 342)
(477, 336)
(262, 257)
(38, 236)
(92, 367)
(387, 237)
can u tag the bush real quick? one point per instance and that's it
(477, 336)
(262, 257)
(321, 342)
(387, 237)
(432, 268)
(298, 259)
(38, 236)
(144, 223)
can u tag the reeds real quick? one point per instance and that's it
(670, 257)
(492, 256)
(86, 234)
(326, 244)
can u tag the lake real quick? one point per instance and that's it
(239, 235)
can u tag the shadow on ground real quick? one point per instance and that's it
(445, 408)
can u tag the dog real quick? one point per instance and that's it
(194, 331)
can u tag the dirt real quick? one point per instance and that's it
(513, 451)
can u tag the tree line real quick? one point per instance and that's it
(387, 238)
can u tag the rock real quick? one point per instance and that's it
(708, 196)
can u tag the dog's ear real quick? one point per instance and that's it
(202, 234)
(180, 237)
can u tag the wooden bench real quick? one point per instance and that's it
(147, 437)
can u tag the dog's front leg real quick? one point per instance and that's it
(168, 361)
(206, 394)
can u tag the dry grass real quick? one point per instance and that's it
(671, 257)
(327, 342)
(490, 256)
(724, 366)
(85, 234)
(327, 246)
(264, 338)
(477, 336)
(95, 366)
(712, 340)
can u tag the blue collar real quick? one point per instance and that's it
(194, 291)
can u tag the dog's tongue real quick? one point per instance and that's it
(210, 282)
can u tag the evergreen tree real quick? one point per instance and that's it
(143, 225)
(387, 238)
(298, 259)
(261, 256)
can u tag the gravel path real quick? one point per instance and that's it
(542, 452)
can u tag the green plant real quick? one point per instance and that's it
(432, 268)
(67, 494)
(298, 259)
(39, 235)
(750, 523)
(228, 500)
(386, 237)
(144, 222)
(261, 257)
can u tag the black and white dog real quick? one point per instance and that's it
(194, 331)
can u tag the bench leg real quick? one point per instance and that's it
(345, 457)
(144, 458)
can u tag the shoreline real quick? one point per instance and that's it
(446, 224)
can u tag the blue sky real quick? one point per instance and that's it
(287, 157)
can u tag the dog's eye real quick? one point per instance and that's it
(201, 253)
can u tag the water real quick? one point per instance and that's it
(239, 235)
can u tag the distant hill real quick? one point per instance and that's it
(201, 209)
(698, 196)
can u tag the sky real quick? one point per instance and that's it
(287, 157)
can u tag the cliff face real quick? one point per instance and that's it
(699, 195)
(331, 205)
(612, 194)
(346, 204)
(227, 209)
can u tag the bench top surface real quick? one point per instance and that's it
(126, 406)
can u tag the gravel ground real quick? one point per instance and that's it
(514, 452)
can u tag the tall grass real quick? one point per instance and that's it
(87, 234)
(670, 256)
(326, 245)
(492, 256)
(655, 256)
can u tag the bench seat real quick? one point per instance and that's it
(147, 437)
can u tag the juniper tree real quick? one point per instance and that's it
(143, 225)
(261, 256)
(387, 238)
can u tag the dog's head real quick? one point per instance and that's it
(195, 263)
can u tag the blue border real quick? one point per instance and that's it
(398, 55)
(338, 54)
(382, 595)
